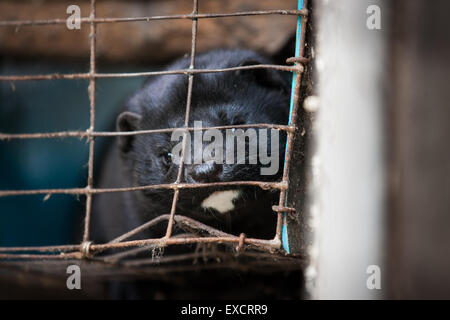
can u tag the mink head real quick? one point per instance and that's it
(240, 97)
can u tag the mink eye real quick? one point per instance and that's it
(166, 159)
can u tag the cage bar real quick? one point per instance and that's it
(87, 249)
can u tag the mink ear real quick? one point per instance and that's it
(266, 77)
(127, 121)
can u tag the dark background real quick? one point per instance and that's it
(50, 106)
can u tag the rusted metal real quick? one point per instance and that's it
(88, 133)
(283, 209)
(301, 60)
(77, 76)
(95, 20)
(288, 210)
(264, 245)
(174, 186)
(186, 121)
(61, 256)
(85, 249)
(241, 244)
(209, 255)
(91, 89)
(293, 120)
(90, 250)
(62, 248)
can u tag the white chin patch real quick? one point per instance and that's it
(221, 201)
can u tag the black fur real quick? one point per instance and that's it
(241, 97)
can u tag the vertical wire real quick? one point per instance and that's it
(186, 120)
(91, 90)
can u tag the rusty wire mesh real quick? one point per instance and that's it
(87, 249)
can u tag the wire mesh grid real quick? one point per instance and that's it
(87, 249)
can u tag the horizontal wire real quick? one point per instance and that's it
(182, 221)
(174, 186)
(72, 255)
(60, 248)
(88, 75)
(266, 245)
(208, 255)
(20, 23)
(88, 133)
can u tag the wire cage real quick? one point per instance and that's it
(272, 252)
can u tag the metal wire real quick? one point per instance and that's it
(75, 76)
(88, 249)
(88, 133)
(191, 16)
(90, 181)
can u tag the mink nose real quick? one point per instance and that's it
(205, 172)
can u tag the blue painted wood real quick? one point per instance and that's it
(285, 238)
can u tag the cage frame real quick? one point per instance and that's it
(88, 250)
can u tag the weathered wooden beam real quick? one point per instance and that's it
(155, 41)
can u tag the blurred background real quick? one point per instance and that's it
(380, 203)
